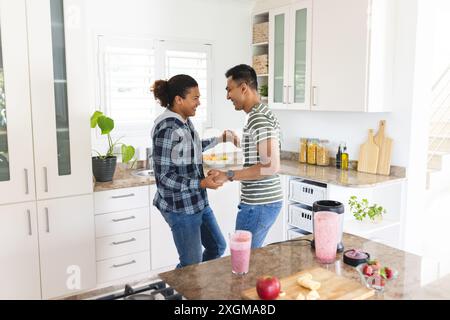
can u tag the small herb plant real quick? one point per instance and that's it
(264, 90)
(106, 125)
(361, 209)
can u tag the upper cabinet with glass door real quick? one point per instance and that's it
(16, 148)
(59, 97)
(328, 55)
(290, 56)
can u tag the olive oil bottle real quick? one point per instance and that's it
(344, 158)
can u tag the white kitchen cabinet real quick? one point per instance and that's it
(328, 55)
(47, 250)
(67, 245)
(44, 113)
(224, 203)
(290, 56)
(59, 99)
(122, 231)
(163, 250)
(19, 252)
(352, 59)
(278, 231)
(16, 143)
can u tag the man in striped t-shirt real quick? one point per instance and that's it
(261, 193)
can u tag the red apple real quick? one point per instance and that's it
(268, 287)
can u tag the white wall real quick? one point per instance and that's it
(224, 24)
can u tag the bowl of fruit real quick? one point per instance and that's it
(215, 161)
(375, 276)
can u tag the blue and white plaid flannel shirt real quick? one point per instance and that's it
(178, 166)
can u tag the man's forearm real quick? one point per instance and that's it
(255, 172)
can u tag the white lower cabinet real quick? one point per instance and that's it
(122, 231)
(19, 254)
(67, 245)
(163, 250)
(122, 267)
(47, 248)
(224, 203)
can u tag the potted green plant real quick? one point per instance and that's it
(362, 210)
(104, 165)
(264, 91)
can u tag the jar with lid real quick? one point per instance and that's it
(312, 149)
(323, 156)
(303, 150)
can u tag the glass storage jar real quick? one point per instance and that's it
(312, 149)
(303, 150)
(323, 155)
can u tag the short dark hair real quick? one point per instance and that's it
(243, 73)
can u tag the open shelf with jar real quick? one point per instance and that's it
(260, 52)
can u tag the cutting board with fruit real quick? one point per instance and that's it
(317, 284)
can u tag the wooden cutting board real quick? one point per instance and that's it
(385, 145)
(368, 155)
(333, 287)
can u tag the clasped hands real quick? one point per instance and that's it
(214, 179)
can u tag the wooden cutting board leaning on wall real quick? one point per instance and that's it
(368, 155)
(385, 154)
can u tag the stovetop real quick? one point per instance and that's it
(158, 290)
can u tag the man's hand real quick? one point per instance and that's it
(231, 136)
(219, 176)
(210, 183)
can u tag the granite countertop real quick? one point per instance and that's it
(331, 175)
(347, 178)
(213, 280)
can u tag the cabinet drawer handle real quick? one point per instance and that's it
(314, 100)
(47, 220)
(124, 219)
(27, 189)
(45, 179)
(124, 196)
(289, 95)
(124, 264)
(30, 231)
(123, 242)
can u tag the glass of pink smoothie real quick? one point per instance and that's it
(326, 227)
(240, 246)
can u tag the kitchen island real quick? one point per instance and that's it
(418, 277)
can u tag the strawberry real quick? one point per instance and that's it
(389, 273)
(368, 270)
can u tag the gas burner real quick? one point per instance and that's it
(154, 291)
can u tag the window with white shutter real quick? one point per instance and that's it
(193, 60)
(128, 67)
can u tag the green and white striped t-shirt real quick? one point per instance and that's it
(261, 125)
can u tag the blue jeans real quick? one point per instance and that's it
(257, 219)
(191, 231)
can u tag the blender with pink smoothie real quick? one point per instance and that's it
(240, 247)
(326, 230)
